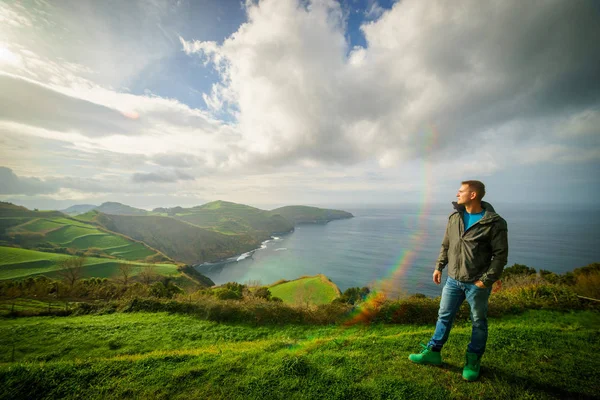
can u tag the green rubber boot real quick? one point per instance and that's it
(472, 365)
(427, 356)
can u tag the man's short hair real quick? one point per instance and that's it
(477, 187)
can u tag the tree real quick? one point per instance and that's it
(126, 270)
(148, 275)
(71, 270)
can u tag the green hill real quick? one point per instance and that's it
(178, 239)
(306, 290)
(57, 232)
(210, 232)
(18, 263)
(163, 355)
(305, 214)
(232, 218)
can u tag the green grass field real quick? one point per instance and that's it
(39, 225)
(312, 289)
(21, 263)
(134, 251)
(99, 240)
(537, 355)
(68, 233)
(79, 235)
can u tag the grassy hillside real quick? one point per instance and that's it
(144, 355)
(304, 214)
(177, 239)
(38, 231)
(228, 218)
(209, 232)
(20, 263)
(310, 289)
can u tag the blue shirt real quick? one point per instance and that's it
(470, 219)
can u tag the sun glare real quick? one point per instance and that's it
(8, 57)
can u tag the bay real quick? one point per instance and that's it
(370, 248)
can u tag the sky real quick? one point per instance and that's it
(276, 102)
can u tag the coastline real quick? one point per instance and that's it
(207, 267)
(238, 257)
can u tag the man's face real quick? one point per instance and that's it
(464, 195)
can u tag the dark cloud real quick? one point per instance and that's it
(169, 176)
(29, 103)
(10, 183)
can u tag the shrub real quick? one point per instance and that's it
(588, 284)
(354, 295)
(263, 293)
(227, 294)
(517, 269)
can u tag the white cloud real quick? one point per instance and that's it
(12, 18)
(504, 83)
(296, 94)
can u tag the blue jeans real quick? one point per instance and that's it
(453, 294)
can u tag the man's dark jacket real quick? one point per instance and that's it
(480, 253)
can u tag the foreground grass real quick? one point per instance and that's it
(539, 354)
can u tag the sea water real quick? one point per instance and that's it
(368, 249)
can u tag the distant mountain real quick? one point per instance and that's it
(305, 214)
(119, 209)
(79, 209)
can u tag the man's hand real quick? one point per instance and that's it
(437, 277)
(479, 284)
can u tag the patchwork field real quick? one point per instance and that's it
(537, 355)
(311, 289)
(21, 263)
(74, 234)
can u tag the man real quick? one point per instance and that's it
(475, 248)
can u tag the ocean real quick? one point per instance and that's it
(398, 246)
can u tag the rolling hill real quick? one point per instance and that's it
(177, 239)
(53, 231)
(205, 233)
(306, 290)
(16, 263)
(233, 218)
